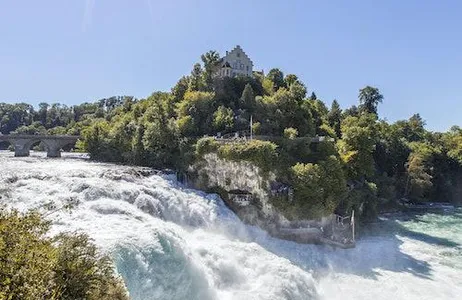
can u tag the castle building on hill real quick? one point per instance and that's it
(235, 63)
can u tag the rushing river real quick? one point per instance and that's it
(169, 242)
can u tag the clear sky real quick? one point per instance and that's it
(84, 50)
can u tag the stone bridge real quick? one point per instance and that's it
(53, 143)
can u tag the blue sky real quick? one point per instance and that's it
(84, 50)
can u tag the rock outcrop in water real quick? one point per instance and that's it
(248, 191)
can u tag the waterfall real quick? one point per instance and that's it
(170, 242)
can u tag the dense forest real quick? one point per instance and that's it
(364, 163)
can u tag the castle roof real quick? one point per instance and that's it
(238, 49)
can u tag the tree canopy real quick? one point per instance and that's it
(380, 162)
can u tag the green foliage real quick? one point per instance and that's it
(26, 257)
(210, 60)
(180, 88)
(277, 78)
(380, 160)
(369, 98)
(295, 150)
(34, 128)
(419, 181)
(261, 153)
(256, 128)
(363, 200)
(223, 119)
(99, 144)
(81, 272)
(326, 130)
(453, 142)
(291, 79)
(160, 141)
(229, 91)
(359, 136)
(248, 99)
(196, 79)
(36, 266)
(206, 145)
(318, 188)
(268, 86)
(290, 133)
(316, 114)
(283, 110)
(200, 107)
(335, 118)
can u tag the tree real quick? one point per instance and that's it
(42, 112)
(196, 82)
(223, 119)
(335, 118)
(180, 88)
(98, 143)
(210, 60)
(199, 106)
(318, 188)
(419, 180)
(290, 79)
(277, 78)
(317, 112)
(419, 170)
(247, 99)
(313, 96)
(298, 90)
(453, 142)
(353, 111)
(280, 111)
(359, 136)
(369, 98)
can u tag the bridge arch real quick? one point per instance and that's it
(52, 143)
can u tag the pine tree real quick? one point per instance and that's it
(248, 99)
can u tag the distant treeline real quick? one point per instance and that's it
(55, 118)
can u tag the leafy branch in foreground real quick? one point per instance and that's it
(34, 265)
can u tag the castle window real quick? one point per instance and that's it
(235, 65)
(248, 68)
(238, 54)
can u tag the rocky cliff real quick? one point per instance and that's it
(248, 191)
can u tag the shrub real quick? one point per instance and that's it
(262, 153)
(318, 188)
(206, 145)
(36, 266)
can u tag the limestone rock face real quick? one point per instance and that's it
(247, 191)
(242, 186)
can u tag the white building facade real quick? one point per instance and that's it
(235, 63)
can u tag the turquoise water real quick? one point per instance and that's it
(171, 243)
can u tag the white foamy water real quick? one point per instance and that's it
(169, 242)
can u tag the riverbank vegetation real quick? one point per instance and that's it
(335, 159)
(34, 265)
